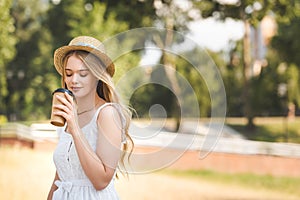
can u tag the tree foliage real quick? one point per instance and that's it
(7, 48)
(287, 41)
(29, 72)
(135, 13)
(285, 46)
(250, 12)
(31, 30)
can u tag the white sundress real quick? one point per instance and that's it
(73, 183)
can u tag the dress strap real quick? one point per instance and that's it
(123, 119)
(100, 107)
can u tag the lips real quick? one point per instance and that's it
(75, 89)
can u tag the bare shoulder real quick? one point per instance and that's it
(109, 114)
(108, 110)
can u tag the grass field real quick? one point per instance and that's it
(287, 185)
(270, 129)
(27, 174)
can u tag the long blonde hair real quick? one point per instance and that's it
(106, 90)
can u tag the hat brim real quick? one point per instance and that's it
(61, 52)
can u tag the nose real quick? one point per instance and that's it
(74, 78)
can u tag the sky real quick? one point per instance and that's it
(214, 35)
(208, 34)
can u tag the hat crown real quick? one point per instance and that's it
(87, 41)
(84, 43)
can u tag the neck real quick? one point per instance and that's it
(85, 111)
(85, 104)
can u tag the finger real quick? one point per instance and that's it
(60, 107)
(61, 114)
(63, 111)
(61, 99)
(70, 100)
(69, 97)
(64, 101)
(64, 105)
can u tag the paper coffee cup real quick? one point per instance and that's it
(55, 119)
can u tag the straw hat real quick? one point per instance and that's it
(84, 43)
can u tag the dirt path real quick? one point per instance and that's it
(158, 186)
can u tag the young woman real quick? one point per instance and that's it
(95, 138)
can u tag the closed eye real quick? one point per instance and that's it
(83, 73)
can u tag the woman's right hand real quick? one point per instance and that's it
(68, 110)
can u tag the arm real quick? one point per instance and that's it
(53, 187)
(100, 166)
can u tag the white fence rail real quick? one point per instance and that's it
(165, 139)
(15, 129)
(223, 145)
(34, 132)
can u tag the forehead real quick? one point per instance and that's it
(74, 63)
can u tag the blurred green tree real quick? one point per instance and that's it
(233, 81)
(7, 49)
(286, 45)
(168, 14)
(287, 41)
(173, 17)
(196, 80)
(63, 17)
(25, 69)
(135, 13)
(250, 13)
